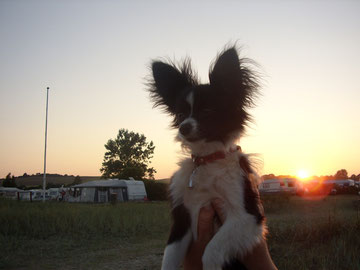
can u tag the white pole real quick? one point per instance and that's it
(44, 178)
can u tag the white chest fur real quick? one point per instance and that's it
(220, 179)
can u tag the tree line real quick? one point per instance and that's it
(129, 155)
(10, 181)
(339, 175)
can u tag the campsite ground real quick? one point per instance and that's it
(312, 233)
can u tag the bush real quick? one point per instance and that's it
(156, 191)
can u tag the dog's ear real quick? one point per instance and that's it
(226, 72)
(233, 75)
(168, 82)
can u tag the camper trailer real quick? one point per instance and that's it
(37, 194)
(55, 193)
(289, 185)
(9, 192)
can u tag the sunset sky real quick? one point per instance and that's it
(94, 56)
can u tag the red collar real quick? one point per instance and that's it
(202, 160)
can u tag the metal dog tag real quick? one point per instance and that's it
(191, 180)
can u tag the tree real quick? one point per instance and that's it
(268, 176)
(341, 174)
(128, 155)
(77, 180)
(9, 181)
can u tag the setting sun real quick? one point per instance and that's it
(302, 174)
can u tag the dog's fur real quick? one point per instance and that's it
(210, 118)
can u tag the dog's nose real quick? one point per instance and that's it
(185, 129)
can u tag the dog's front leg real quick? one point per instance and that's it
(179, 239)
(235, 238)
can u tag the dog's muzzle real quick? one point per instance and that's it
(188, 129)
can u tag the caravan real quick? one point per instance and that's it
(288, 185)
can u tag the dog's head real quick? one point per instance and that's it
(216, 111)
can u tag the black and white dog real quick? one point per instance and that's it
(210, 118)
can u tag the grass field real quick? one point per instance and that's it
(317, 233)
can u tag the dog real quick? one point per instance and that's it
(210, 118)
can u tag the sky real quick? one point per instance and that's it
(95, 56)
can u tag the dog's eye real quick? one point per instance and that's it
(180, 116)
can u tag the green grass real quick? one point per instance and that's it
(314, 233)
(43, 220)
(85, 236)
(317, 233)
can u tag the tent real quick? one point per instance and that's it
(102, 190)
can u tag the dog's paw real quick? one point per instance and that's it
(212, 259)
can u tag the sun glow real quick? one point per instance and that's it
(302, 174)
